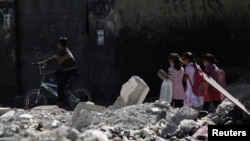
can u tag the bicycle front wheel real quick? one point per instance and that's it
(32, 99)
(80, 95)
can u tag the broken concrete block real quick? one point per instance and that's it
(4, 110)
(155, 110)
(189, 125)
(26, 116)
(55, 123)
(46, 107)
(93, 135)
(189, 113)
(133, 92)
(169, 129)
(73, 134)
(161, 115)
(163, 104)
(83, 120)
(177, 115)
(9, 114)
(15, 128)
(87, 106)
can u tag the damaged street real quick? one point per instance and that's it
(127, 120)
(124, 70)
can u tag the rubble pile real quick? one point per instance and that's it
(129, 119)
(42, 118)
(147, 121)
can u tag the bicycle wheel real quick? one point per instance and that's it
(30, 99)
(79, 95)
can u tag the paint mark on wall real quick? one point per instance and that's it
(6, 15)
(100, 37)
(7, 37)
(101, 7)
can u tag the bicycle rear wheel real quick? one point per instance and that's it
(79, 95)
(31, 99)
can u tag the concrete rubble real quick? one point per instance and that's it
(133, 92)
(156, 121)
(129, 119)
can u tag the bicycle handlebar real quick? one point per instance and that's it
(41, 67)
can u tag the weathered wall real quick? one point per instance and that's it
(39, 24)
(8, 71)
(105, 59)
(139, 34)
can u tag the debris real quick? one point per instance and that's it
(87, 106)
(26, 116)
(189, 126)
(156, 121)
(162, 104)
(202, 114)
(9, 114)
(4, 110)
(46, 107)
(83, 120)
(55, 123)
(155, 110)
(133, 92)
(161, 115)
(169, 128)
(177, 115)
(202, 133)
(93, 135)
(40, 127)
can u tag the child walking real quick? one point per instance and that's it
(175, 74)
(213, 96)
(191, 66)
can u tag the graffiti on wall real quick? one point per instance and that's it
(101, 7)
(7, 33)
(179, 6)
(5, 23)
(171, 13)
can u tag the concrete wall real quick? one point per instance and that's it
(39, 24)
(8, 61)
(139, 34)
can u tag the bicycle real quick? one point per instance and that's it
(37, 97)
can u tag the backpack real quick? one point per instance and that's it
(200, 85)
(219, 77)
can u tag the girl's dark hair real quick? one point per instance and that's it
(176, 59)
(210, 58)
(189, 56)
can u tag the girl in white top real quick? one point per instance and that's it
(172, 89)
(192, 100)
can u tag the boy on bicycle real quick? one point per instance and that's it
(67, 69)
